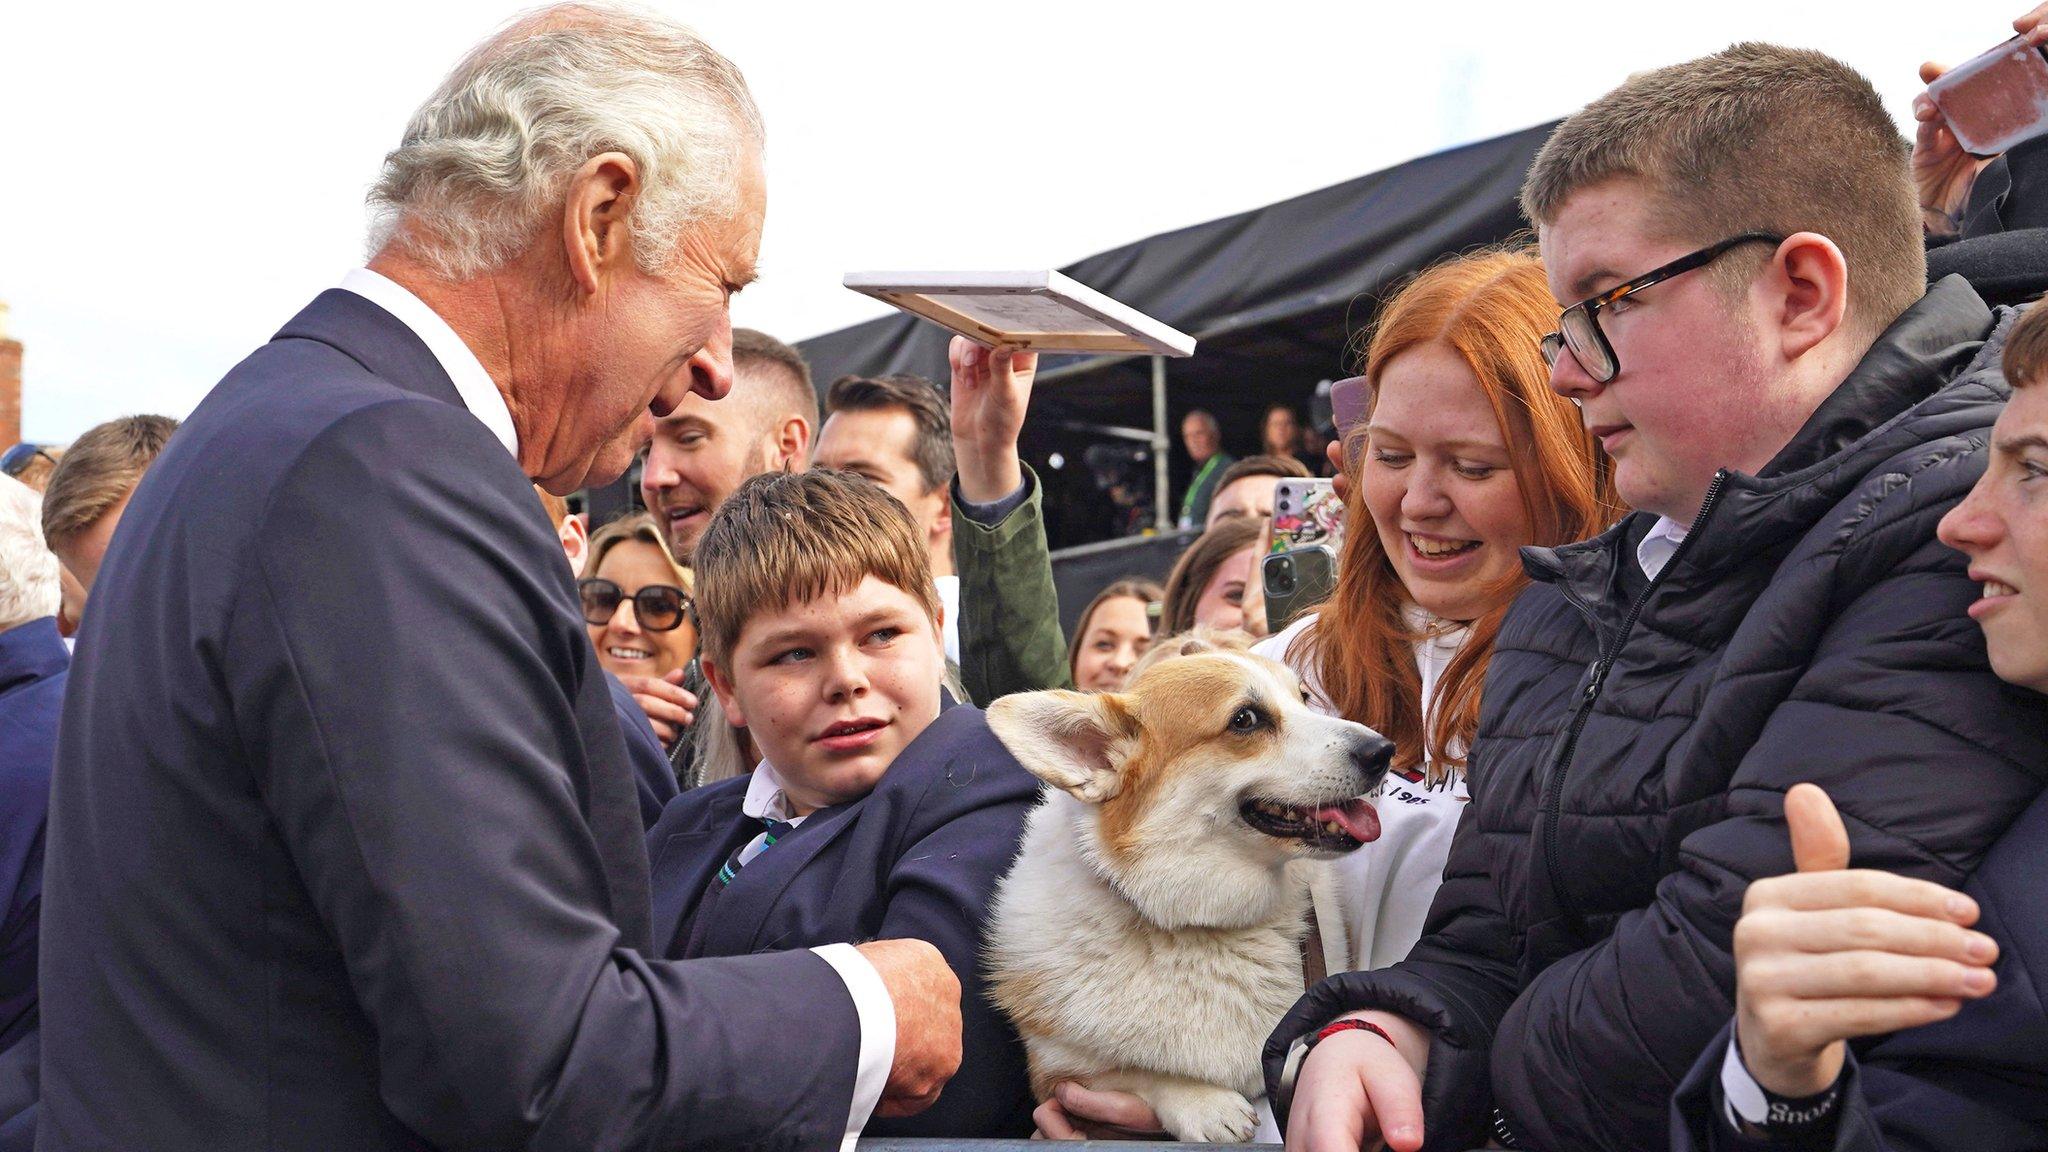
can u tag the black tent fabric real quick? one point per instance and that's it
(1276, 296)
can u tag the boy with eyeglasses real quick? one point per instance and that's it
(879, 809)
(1735, 245)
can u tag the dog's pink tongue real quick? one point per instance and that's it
(1356, 817)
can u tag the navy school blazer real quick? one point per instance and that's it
(918, 857)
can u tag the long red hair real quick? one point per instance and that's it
(1491, 308)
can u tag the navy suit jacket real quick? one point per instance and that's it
(653, 777)
(33, 670)
(919, 857)
(344, 845)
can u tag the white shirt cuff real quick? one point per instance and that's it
(877, 1013)
(1740, 1092)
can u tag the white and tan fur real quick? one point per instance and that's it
(1148, 939)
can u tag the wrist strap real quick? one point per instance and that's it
(1329, 1030)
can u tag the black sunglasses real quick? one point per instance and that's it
(1578, 328)
(15, 460)
(658, 607)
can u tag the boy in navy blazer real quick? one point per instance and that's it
(879, 808)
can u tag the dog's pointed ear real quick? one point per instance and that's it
(1074, 741)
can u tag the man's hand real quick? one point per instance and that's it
(1358, 1091)
(1077, 1113)
(1828, 954)
(991, 390)
(669, 709)
(927, 998)
(1942, 171)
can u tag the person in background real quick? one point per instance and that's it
(879, 808)
(1246, 488)
(1465, 452)
(33, 669)
(636, 698)
(1112, 633)
(1203, 438)
(1827, 954)
(1736, 252)
(636, 602)
(31, 463)
(1964, 196)
(1215, 583)
(87, 492)
(1280, 433)
(898, 432)
(703, 449)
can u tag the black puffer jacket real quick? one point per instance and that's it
(1637, 738)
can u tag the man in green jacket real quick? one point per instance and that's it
(1010, 638)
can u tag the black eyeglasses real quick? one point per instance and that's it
(1578, 328)
(658, 607)
(15, 460)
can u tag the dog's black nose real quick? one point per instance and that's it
(1372, 753)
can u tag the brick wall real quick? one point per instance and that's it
(10, 386)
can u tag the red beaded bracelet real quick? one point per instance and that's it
(1329, 1030)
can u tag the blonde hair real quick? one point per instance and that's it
(1136, 588)
(98, 471)
(638, 526)
(1754, 138)
(784, 538)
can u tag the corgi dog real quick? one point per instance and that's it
(1149, 935)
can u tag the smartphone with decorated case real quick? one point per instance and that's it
(1305, 512)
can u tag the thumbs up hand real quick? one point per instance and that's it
(1829, 953)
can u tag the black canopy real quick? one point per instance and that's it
(1276, 296)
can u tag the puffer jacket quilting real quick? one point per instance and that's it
(1810, 628)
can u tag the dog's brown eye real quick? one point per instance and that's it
(1246, 720)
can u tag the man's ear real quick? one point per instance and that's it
(574, 533)
(595, 238)
(721, 687)
(793, 440)
(942, 519)
(1074, 741)
(1811, 277)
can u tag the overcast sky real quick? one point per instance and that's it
(180, 179)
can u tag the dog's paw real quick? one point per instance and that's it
(1200, 1114)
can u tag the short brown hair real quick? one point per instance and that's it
(785, 537)
(1197, 566)
(1755, 138)
(1281, 467)
(932, 448)
(782, 367)
(98, 471)
(2025, 359)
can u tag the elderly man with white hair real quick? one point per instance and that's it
(33, 664)
(344, 849)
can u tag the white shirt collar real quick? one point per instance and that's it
(479, 394)
(1658, 544)
(764, 799)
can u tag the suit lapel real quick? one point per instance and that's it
(759, 887)
(684, 862)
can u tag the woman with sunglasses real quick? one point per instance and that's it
(636, 601)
